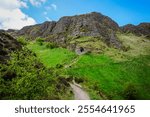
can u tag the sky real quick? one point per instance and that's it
(15, 14)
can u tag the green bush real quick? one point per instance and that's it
(39, 40)
(22, 40)
(59, 66)
(51, 45)
(24, 77)
(84, 29)
(130, 91)
(126, 48)
(79, 79)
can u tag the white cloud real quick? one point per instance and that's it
(37, 2)
(52, 6)
(23, 4)
(11, 16)
(11, 4)
(45, 13)
(48, 19)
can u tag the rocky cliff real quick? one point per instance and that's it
(7, 45)
(143, 29)
(72, 27)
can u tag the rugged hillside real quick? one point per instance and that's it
(117, 67)
(87, 32)
(139, 30)
(7, 45)
(68, 29)
(39, 30)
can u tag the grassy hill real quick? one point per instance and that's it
(51, 57)
(114, 80)
(108, 61)
(112, 74)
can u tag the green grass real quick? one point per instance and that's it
(51, 57)
(111, 78)
(112, 74)
(92, 60)
(137, 45)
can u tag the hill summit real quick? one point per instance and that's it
(90, 31)
(70, 28)
(139, 30)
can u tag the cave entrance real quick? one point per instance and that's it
(81, 49)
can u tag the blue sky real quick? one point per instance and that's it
(122, 11)
(18, 13)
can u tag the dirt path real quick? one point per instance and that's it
(79, 93)
(72, 62)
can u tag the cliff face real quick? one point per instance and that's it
(70, 31)
(7, 45)
(37, 30)
(92, 24)
(139, 30)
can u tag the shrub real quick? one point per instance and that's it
(59, 66)
(84, 29)
(24, 77)
(22, 40)
(126, 48)
(40, 40)
(88, 53)
(51, 45)
(79, 80)
(130, 91)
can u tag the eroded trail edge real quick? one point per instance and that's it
(79, 93)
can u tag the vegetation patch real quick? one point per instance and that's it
(112, 74)
(122, 80)
(24, 77)
(135, 45)
(51, 57)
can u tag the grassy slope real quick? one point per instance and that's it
(51, 57)
(113, 76)
(110, 74)
(136, 45)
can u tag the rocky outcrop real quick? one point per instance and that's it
(39, 30)
(7, 45)
(143, 29)
(92, 24)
